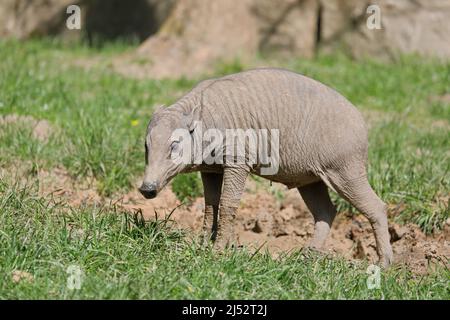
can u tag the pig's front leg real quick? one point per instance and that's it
(233, 187)
(212, 186)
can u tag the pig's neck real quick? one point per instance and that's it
(188, 102)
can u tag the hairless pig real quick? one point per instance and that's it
(273, 123)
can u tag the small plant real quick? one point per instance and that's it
(277, 193)
(187, 187)
(157, 232)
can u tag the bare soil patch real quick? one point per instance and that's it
(41, 129)
(288, 225)
(265, 222)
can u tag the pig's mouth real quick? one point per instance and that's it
(150, 189)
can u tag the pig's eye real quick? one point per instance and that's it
(146, 154)
(174, 146)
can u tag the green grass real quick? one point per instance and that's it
(187, 187)
(121, 256)
(96, 112)
(99, 120)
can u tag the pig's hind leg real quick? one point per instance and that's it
(351, 183)
(319, 203)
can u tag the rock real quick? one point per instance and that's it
(407, 26)
(287, 26)
(337, 17)
(205, 32)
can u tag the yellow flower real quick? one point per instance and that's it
(134, 123)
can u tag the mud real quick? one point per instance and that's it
(286, 225)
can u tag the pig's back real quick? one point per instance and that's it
(316, 123)
(281, 99)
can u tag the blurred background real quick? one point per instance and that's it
(171, 32)
(74, 108)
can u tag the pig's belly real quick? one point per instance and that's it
(291, 180)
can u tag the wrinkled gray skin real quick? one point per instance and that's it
(323, 144)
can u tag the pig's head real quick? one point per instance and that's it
(167, 148)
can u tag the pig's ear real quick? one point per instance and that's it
(192, 118)
(156, 111)
(158, 108)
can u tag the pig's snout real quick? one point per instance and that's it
(149, 189)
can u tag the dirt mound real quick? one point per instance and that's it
(286, 224)
(41, 129)
(203, 32)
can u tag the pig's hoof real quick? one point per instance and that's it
(205, 240)
(206, 244)
(386, 259)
